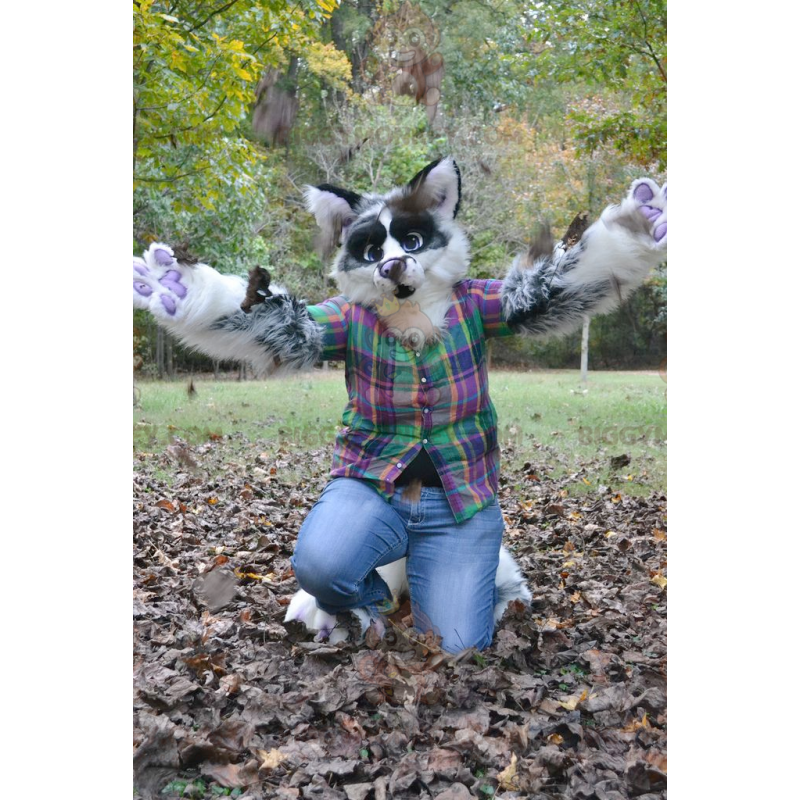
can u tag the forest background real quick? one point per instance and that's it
(550, 109)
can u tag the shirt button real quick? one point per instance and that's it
(417, 354)
(424, 441)
(400, 465)
(424, 380)
(425, 410)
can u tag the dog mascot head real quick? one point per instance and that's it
(399, 245)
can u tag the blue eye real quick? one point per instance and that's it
(412, 242)
(372, 253)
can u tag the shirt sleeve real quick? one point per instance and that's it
(332, 316)
(487, 294)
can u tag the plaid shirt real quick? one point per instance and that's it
(436, 398)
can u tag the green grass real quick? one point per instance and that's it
(544, 418)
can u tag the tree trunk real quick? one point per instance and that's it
(169, 355)
(160, 352)
(585, 351)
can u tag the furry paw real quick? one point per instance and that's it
(304, 608)
(160, 283)
(650, 201)
(510, 583)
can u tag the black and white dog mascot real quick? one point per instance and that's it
(411, 329)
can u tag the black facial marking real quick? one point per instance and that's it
(364, 232)
(422, 223)
(352, 198)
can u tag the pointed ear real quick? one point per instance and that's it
(334, 208)
(437, 187)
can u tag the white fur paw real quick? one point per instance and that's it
(304, 608)
(160, 283)
(650, 200)
(510, 583)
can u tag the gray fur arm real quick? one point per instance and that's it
(550, 291)
(277, 333)
(202, 308)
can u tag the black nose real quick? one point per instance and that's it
(393, 268)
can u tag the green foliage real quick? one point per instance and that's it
(195, 71)
(549, 108)
(621, 48)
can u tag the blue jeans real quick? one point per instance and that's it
(451, 567)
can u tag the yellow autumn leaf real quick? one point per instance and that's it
(659, 535)
(571, 702)
(637, 724)
(269, 577)
(271, 759)
(507, 779)
(659, 580)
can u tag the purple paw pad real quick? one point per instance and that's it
(643, 193)
(660, 232)
(162, 257)
(169, 304)
(142, 270)
(651, 212)
(172, 281)
(142, 288)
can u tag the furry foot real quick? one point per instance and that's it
(160, 283)
(304, 609)
(653, 205)
(509, 581)
(650, 201)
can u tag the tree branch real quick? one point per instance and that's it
(647, 41)
(214, 13)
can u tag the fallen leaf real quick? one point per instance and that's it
(507, 779)
(659, 580)
(270, 760)
(573, 701)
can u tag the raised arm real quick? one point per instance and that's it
(202, 308)
(549, 290)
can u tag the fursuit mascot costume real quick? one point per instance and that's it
(411, 507)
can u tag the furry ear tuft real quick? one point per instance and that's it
(437, 187)
(334, 209)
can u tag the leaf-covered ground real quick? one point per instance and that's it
(569, 702)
